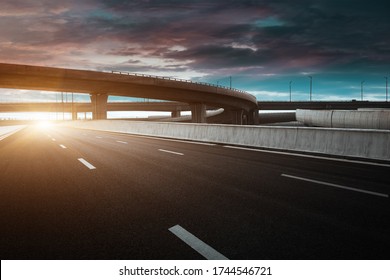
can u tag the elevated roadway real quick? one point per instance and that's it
(180, 106)
(87, 107)
(336, 105)
(101, 84)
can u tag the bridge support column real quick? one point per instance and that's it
(99, 106)
(253, 117)
(74, 115)
(175, 114)
(237, 117)
(198, 112)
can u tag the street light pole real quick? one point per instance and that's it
(63, 110)
(73, 109)
(230, 82)
(311, 86)
(56, 107)
(386, 88)
(361, 89)
(290, 90)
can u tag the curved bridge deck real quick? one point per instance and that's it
(101, 84)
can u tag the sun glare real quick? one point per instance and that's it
(44, 124)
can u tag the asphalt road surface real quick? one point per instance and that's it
(78, 194)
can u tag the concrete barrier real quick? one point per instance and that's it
(366, 119)
(371, 144)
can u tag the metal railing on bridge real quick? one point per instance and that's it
(177, 80)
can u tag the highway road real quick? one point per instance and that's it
(79, 194)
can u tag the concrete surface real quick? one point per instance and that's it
(240, 202)
(365, 119)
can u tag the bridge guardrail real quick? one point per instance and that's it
(177, 80)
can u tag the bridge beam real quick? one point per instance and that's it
(198, 113)
(99, 106)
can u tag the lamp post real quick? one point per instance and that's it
(361, 89)
(386, 88)
(63, 109)
(311, 86)
(290, 89)
(73, 109)
(56, 107)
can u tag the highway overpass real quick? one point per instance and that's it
(81, 107)
(335, 105)
(175, 108)
(100, 85)
(180, 106)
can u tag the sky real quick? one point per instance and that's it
(262, 45)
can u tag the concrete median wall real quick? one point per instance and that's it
(372, 144)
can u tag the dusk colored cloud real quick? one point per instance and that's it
(251, 40)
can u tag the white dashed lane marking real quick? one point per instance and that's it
(86, 163)
(171, 152)
(196, 244)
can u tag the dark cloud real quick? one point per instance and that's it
(230, 36)
(214, 57)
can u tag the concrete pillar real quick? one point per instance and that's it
(237, 116)
(175, 114)
(74, 114)
(253, 117)
(198, 112)
(99, 106)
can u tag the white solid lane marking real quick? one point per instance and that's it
(171, 152)
(6, 131)
(307, 156)
(336, 185)
(9, 130)
(5, 136)
(62, 146)
(122, 142)
(86, 163)
(196, 244)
